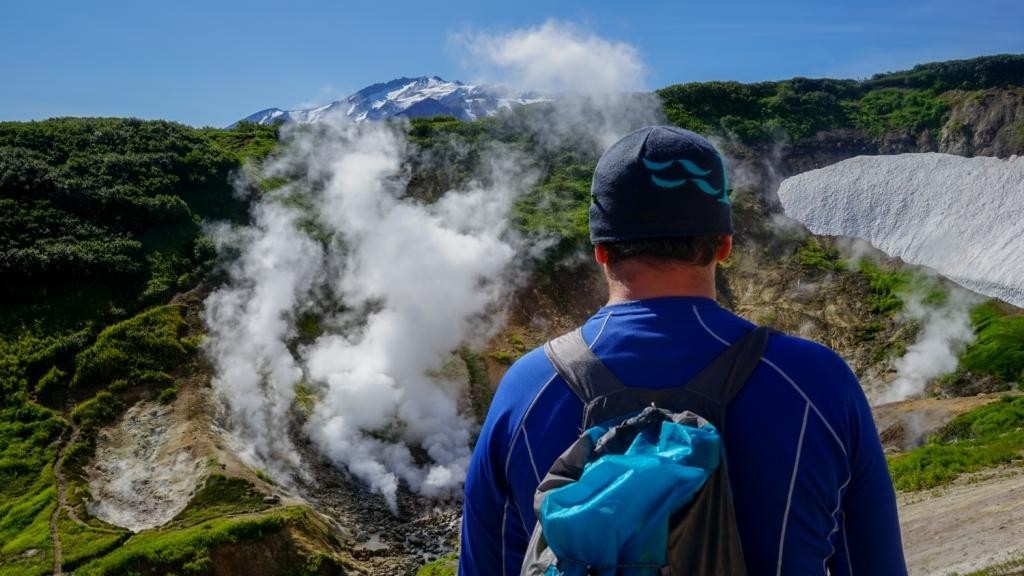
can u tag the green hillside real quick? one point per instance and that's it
(797, 108)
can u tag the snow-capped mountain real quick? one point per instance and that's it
(408, 97)
(960, 216)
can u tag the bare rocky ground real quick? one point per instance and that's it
(383, 543)
(146, 468)
(151, 462)
(975, 523)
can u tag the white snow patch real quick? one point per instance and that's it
(964, 217)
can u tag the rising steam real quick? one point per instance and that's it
(396, 283)
(593, 82)
(945, 333)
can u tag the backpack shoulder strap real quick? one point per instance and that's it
(586, 376)
(723, 379)
(716, 385)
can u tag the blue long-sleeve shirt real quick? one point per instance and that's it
(811, 488)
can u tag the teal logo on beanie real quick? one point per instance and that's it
(696, 175)
(659, 182)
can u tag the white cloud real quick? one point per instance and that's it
(552, 58)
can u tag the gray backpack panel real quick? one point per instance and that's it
(703, 538)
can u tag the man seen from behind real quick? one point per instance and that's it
(811, 487)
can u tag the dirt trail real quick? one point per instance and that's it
(62, 504)
(975, 523)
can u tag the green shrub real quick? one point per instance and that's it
(309, 327)
(937, 464)
(220, 496)
(168, 395)
(971, 74)
(28, 435)
(54, 380)
(987, 436)
(813, 254)
(245, 140)
(98, 411)
(139, 349)
(189, 550)
(558, 208)
(80, 543)
(77, 192)
(25, 525)
(999, 347)
(184, 551)
(887, 286)
(444, 566)
(757, 113)
(883, 110)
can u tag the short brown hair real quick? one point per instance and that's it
(692, 250)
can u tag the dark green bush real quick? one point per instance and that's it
(971, 74)
(98, 411)
(883, 110)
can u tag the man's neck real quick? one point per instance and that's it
(639, 282)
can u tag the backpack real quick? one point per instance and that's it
(645, 488)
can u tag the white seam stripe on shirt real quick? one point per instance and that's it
(522, 423)
(792, 486)
(512, 443)
(504, 521)
(601, 330)
(709, 330)
(808, 400)
(529, 453)
(785, 377)
(846, 546)
(835, 523)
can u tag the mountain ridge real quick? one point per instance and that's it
(418, 97)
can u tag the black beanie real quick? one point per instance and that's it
(659, 182)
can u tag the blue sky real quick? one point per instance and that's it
(212, 62)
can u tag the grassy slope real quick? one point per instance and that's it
(225, 512)
(120, 201)
(988, 436)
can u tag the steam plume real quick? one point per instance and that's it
(593, 82)
(397, 284)
(945, 332)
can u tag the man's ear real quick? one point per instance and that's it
(725, 249)
(600, 254)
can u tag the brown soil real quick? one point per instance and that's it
(906, 425)
(62, 504)
(975, 523)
